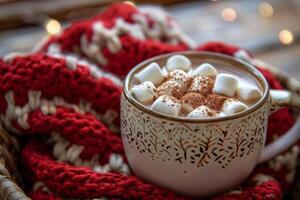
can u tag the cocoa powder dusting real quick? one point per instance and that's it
(180, 77)
(170, 88)
(210, 113)
(202, 85)
(173, 99)
(215, 101)
(194, 99)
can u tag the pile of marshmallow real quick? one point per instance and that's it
(179, 90)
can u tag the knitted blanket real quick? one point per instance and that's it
(64, 99)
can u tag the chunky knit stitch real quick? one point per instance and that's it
(81, 182)
(118, 49)
(51, 78)
(68, 108)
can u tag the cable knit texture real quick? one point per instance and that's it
(65, 99)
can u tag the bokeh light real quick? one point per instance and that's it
(229, 15)
(265, 9)
(53, 26)
(130, 3)
(286, 37)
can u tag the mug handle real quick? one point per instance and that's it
(280, 99)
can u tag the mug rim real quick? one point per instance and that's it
(246, 66)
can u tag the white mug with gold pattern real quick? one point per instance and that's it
(201, 157)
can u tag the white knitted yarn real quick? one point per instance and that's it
(48, 107)
(73, 60)
(163, 26)
(65, 151)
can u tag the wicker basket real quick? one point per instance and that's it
(9, 147)
(9, 176)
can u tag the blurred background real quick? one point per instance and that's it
(270, 29)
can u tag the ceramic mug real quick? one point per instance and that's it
(201, 157)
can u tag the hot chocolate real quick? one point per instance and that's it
(183, 88)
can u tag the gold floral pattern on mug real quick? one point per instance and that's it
(197, 144)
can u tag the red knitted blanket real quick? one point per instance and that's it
(65, 99)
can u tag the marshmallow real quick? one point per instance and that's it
(144, 93)
(190, 101)
(151, 73)
(166, 105)
(225, 84)
(248, 93)
(170, 88)
(178, 62)
(202, 85)
(232, 106)
(202, 112)
(180, 77)
(205, 69)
